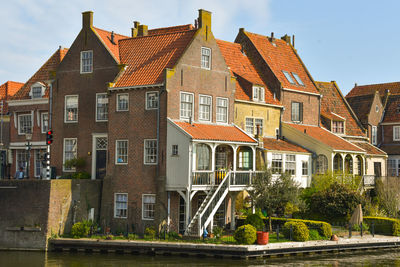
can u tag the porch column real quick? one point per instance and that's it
(343, 162)
(332, 162)
(188, 208)
(213, 148)
(254, 158)
(235, 147)
(233, 207)
(353, 157)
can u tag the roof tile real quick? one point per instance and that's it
(370, 149)
(393, 87)
(112, 46)
(392, 110)
(282, 145)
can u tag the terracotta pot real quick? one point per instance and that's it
(262, 238)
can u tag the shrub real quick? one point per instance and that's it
(81, 175)
(217, 231)
(80, 229)
(132, 236)
(300, 231)
(150, 232)
(245, 234)
(356, 227)
(385, 226)
(256, 221)
(314, 235)
(174, 235)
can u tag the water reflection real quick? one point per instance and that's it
(14, 258)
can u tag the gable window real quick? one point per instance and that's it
(222, 110)
(205, 108)
(276, 166)
(24, 124)
(338, 127)
(298, 80)
(374, 133)
(376, 108)
(87, 61)
(297, 111)
(152, 100)
(70, 152)
(288, 77)
(304, 168)
(396, 133)
(36, 92)
(121, 205)
(71, 108)
(45, 122)
(258, 94)
(121, 152)
(148, 206)
(291, 164)
(122, 102)
(101, 107)
(186, 105)
(150, 151)
(205, 58)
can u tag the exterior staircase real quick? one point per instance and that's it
(208, 208)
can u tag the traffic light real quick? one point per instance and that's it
(49, 137)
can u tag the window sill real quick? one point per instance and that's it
(147, 219)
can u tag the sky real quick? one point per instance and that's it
(347, 41)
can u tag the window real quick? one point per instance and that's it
(249, 125)
(392, 167)
(122, 102)
(205, 58)
(86, 61)
(258, 93)
(321, 164)
(288, 77)
(39, 157)
(258, 125)
(24, 124)
(276, 163)
(186, 105)
(304, 168)
(174, 150)
(374, 135)
(148, 208)
(36, 92)
(203, 157)
(252, 124)
(396, 133)
(338, 127)
(71, 108)
(376, 108)
(298, 80)
(45, 122)
(22, 160)
(150, 151)
(222, 110)
(121, 205)
(121, 152)
(152, 100)
(297, 111)
(101, 107)
(70, 151)
(291, 164)
(205, 108)
(245, 160)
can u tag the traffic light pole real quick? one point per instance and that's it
(50, 124)
(48, 163)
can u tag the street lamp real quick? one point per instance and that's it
(28, 137)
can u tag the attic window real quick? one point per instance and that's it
(205, 58)
(37, 91)
(288, 77)
(338, 127)
(298, 80)
(258, 93)
(86, 61)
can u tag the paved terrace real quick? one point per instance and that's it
(217, 250)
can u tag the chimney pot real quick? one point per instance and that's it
(112, 37)
(142, 30)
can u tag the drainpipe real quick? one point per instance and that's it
(319, 111)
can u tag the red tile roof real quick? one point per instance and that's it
(392, 110)
(282, 145)
(326, 137)
(146, 57)
(370, 149)
(106, 38)
(214, 132)
(7, 90)
(241, 66)
(333, 104)
(361, 106)
(370, 89)
(178, 28)
(42, 75)
(281, 56)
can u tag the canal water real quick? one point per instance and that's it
(59, 259)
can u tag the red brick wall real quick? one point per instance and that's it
(310, 106)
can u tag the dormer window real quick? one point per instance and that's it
(87, 61)
(298, 80)
(37, 91)
(258, 93)
(338, 127)
(288, 77)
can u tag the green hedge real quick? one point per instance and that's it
(300, 231)
(384, 226)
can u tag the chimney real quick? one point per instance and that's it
(355, 84)
(134, 30)
(112, 37)
(204, 22)
(87, 19)
(293, 40)
(272, 37)
(142, 30)
(286, 38)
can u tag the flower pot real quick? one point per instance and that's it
(262, 238)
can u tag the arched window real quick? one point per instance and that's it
(203, 157)
(322, 164)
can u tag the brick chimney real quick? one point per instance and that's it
(286, 38)
(87, 19)
(142, 30)
(135, 28)
(204, 21)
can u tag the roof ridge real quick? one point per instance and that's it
(153, 35)
(110, 32)
(170, 27)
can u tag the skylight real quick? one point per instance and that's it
(298, 80)
(288, 77)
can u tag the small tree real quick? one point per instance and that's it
(388, 193)
(273, 194)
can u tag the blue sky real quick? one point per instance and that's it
(346, 41)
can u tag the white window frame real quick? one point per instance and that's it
(277, 157)
(374, 135)
(336, 127)
(203, 63)
(19, 123)
(97, 99)
(115, 206)
(37, 85)
(209, 105)
(396, 129)
(227, 110)
(117, 104)
(145, 152)
(254, 125)
(258, 93)
(147, 100)
(175, 150)
(81, 62)
(180, 106)
(143, 205)
(304, 162)
(76, 153)
(392, 167)
(295, 112)
(37, 159)
(116, 152)
(65, 110)
(287, 156)
(42, 122)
